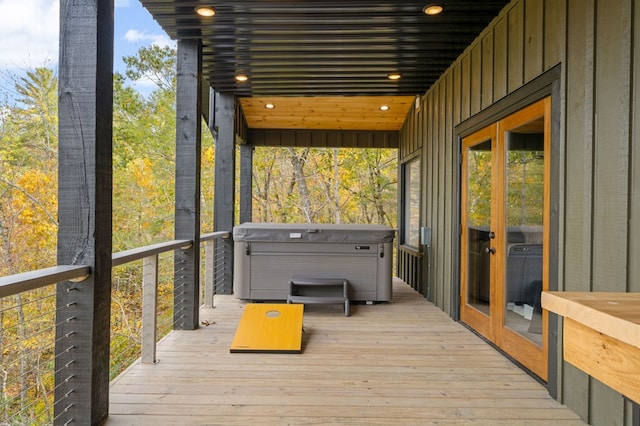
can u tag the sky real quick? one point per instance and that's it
(29, 32)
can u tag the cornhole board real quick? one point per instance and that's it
(269, 328)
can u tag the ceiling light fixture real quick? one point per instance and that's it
(241, 78)
(206, 11)
(269, 106)
(394, 76)
(432, 9)
(384, 108)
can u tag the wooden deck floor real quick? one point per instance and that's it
(405, 362)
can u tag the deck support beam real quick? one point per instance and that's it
(85, 105)
(224, 186)
(187, 211)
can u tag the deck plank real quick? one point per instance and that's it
(403, 362)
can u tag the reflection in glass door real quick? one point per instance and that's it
(524, 214)
(479, 225)
(504, 212)
(477, 235)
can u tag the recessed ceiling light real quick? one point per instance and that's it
(394, 76)
(432, 9)
(242, 78)
(206, 11)
(384, 108)
(269, 106)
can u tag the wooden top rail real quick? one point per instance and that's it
(18, 283)
(138, 253)
(215, 235)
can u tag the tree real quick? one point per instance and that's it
(36, 116)
(325, 185)
(28, 227)
(154, 63)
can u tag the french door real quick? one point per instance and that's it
(504, 242)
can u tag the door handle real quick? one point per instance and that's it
(491, 250)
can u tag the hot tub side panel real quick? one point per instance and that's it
(262, 269)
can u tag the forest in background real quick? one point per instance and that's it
(293, 185)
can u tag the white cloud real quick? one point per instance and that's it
(135, 36)
(29, 33)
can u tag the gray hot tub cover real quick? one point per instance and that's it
(306, 232)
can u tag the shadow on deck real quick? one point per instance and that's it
(404, 362)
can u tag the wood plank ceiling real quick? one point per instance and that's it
(332, 56)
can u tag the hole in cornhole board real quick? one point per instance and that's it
(269, 328)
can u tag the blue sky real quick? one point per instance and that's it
(29, 31)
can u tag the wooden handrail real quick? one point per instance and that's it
(215, 235)
(18, 283)
(138, 253)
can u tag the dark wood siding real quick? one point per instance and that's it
(598, 160)
(324, 138)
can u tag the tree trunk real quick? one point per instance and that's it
(336, 187)
(298, 162)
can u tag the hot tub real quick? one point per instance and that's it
(267, 255)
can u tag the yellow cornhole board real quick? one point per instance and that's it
(269, 328)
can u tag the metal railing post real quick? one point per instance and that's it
(149, 308)
(209, 272)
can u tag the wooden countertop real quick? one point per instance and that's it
(613, 314)
(601, 336)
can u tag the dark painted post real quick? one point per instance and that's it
(224, 186)
(85, 98)
(187, 215)
(246, 182)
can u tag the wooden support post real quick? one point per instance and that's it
(246, 182)
(224, 199)
(187, 215)
(149, 308)
(85, 114)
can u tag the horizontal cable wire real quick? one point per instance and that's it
(41, 319)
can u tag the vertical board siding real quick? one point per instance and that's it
(427, 168)
(555, 32)
(465, 106)
(443, 172)
(436, 167)
(533, 39)
(500, 47)
(579, 153)
(476, 78)
(611, 182)
(487, 70)
(598, 45)
(633, 281)
(447, 196)
(515, 46)
(578, 188)
(613, 37)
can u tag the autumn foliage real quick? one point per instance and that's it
(289, 185)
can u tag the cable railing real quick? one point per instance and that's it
(30, 321)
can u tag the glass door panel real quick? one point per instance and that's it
(479, 226)
(504, 218)
(524, 216)
(477, 278)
